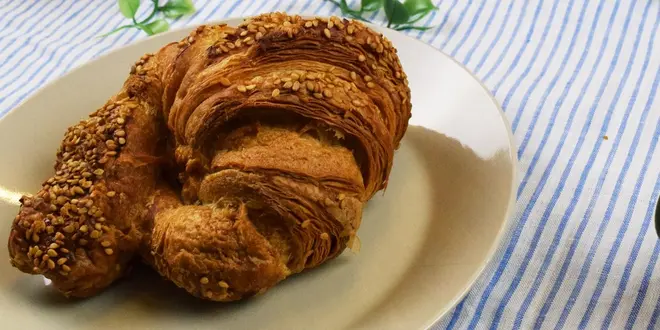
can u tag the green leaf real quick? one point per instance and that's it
(412, 27)
(128, 8)
(177, 8)
(157, 26)
(396, 13)
(371, 5)
(345, 9)
(418, 9)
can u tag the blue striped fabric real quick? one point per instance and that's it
(581, 251)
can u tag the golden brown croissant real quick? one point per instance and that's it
(228, 161)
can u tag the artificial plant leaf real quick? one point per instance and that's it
(395, 11)
(157, 26)
(177, 8)
(128, 8)
(417, 9)
(371, 5)
(413, 27)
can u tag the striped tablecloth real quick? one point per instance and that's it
(578, 81)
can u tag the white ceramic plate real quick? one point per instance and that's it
(424, 241)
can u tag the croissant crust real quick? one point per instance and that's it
(228, 161)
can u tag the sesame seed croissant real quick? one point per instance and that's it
(227, 162)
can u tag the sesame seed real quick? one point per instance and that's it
(62, 261)
(223, 284)
(348, 38)
(318, 95)
(209, 294)
(327, 33)
(83, 228)
(357, 103)
(315, 23)
(83, 241)
(69, 229)
(111, 194)
(122, 141)
(120, 133)
(331, 25)
(95, 234)
(327, 93)
(109, 251)
(371, 85)
(296, 86)
(250, 87)
(241, 88)
(37, 252)
(276, 92)
(361, 58)
(120, 120)
(66, 269)
(35, 238)
(51, 264)
(350, 29)
(259, 35)
(225, 82)
(367, 78)
(78, 190)
(306, 223)
(325, 236)
(288, 84)
(50, 229)
(53, 246)
(51, 253)
(244, 33)
(310, 86)
(204, 280)
(295, 76)
(353, 75)
(64, 250)
(308, 24)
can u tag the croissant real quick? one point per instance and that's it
(228, 161)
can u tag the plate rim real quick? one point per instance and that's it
(506, 222)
